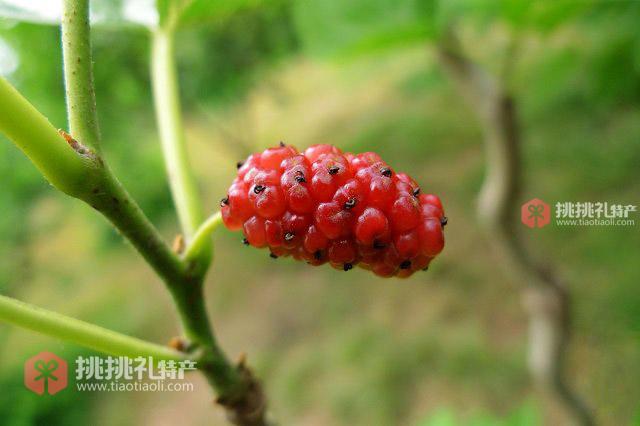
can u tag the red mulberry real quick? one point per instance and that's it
(328, 206)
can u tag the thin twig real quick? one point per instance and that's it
(167, 105)
(546, 300)
(78, 73)
(82, 333)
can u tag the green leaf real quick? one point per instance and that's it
(547, 16)
(185, 13)
(202, 11)
(396, 37)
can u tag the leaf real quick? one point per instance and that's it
(186, 13)
(202, 11)
(384, 40)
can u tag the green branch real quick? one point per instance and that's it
(76, 49)
(189, 297)
(81, 172)
(82, 333)
(87, 177)
(238, 391)
(60, 164)
(167, 105)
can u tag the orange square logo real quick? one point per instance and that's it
(535, 213)
(45, 373)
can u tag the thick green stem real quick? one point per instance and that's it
(76, 49)
(218, 370)
(183, 280)
(90, 180)
(79, 332)
(167, 105)
(110, 198)
(81, 172)
(64, 167)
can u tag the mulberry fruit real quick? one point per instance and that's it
(346, 209)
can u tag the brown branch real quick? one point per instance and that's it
(545, 298)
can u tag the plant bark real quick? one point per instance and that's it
(545, 298)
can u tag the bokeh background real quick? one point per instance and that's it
(445, 347)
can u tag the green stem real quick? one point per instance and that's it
(201, 239)
(82, 173)
(188, 296)
(60, 164)
(90, 180)
(76, 49)
(86, 177)
(110, 198)
(167, 105)
(82, 333)
(184, 281)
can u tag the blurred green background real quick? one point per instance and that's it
(445, 347)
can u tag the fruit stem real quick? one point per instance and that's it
(201, 237)
(78, 74)
(82, 333)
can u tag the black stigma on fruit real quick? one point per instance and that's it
(378, 244)
(289, 236)
(386, 172)
(426, 268)
(347, 267)
(317, 255)
(282, 145)
(351, 203)
(259, 188)
(334, 170)
(273, 256)
(239, 164)
(245, 241)
(444, 221)
(300, 178)
(224, 202)
(416, 192)
(405, 265)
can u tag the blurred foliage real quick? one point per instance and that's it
(523, 416)
(444, 348)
